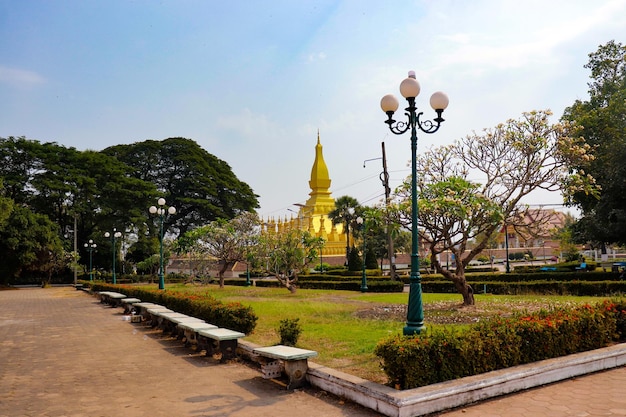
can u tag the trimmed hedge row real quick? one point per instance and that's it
(536, 276)
(415, 361)
(372, 285)
(583, 288)
(234, 316)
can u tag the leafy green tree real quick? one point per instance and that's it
(513, 159)
(355, 261)
(225, 241)
(345, 212)
(29, 246)
(604, 128)
(202, 187)
(285, 255)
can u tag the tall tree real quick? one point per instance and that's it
(513, 159)
(202, 187)
(286, 254)
(225, 241)
(604, 128)
(30, 245)
(345, 212)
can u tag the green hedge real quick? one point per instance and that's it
(582, 288)
(234, 316)
(414, 361)
(340, 284)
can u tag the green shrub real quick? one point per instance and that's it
(415, 361)
(234, 316)
(289, 331)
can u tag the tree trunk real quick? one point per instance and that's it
(466, 291)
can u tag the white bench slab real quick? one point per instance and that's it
(294, 361)
(190, 328)
(219, 343)
(111, 298)
(128, 302)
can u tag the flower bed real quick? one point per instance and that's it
(414, 361)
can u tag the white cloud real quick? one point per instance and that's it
(19, 77)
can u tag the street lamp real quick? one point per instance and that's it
(161, 212)
(113, 236)
(410, 88)
(362, 223)
(90, 247)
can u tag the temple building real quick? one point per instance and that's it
(313, 215)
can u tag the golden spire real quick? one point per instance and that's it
(320, 180)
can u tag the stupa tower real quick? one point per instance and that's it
(313, 215)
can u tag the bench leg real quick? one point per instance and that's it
(296, 372)
(228, 349)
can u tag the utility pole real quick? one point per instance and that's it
(384, 178)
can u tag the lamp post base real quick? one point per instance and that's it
(161, 282)
(413, 329)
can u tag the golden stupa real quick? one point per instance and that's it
(313, 215)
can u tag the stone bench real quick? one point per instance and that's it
(152, 315)
(111, 298)
(293, 360)
(141, 309)
(127, 303)
(168, 321)
(221, 344)
(190, 328)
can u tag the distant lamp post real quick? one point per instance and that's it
(90, 247)
(363, 225)
(410, 88)
(161, 211)
(115, 235)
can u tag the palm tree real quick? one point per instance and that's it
(345, 212)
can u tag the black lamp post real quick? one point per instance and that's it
(113, 236)
(90, 247)
(161, 212)
(363, 224)
(410, 88)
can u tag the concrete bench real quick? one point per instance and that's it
(219, 343)
(141, 309)
(111, 298)
(154, 315)
(294, 362)
(168, 320)
(127, 303)
(190, 329)
(175, 323)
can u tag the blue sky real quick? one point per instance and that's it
(253, 81)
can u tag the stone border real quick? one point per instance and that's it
(451, 394)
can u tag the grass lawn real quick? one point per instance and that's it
(344, 327)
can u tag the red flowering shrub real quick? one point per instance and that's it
(497, 343)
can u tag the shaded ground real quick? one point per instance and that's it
(451, 312)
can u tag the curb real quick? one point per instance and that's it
(451, 394)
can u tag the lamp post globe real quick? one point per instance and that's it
(410, 89)
(161, 212)
(90, 247)
(113, 236)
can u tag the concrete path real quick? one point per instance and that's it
(62, 353)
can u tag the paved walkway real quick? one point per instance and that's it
(62, 353)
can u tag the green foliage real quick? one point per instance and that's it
(29, 245)
(604, 128)
(193, 180)
(289, 331)
(438, 356)
(234, 316)
(355, 262)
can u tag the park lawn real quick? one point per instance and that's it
(344, 327)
